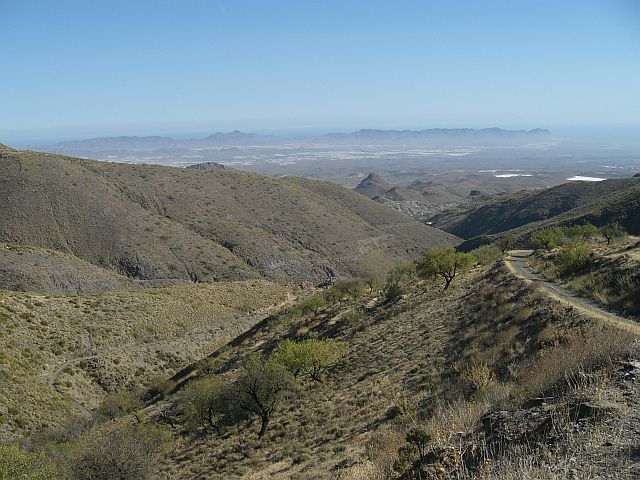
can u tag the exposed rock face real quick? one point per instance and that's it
(373, 186)
(206, 166)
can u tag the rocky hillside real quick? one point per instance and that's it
(595, 202)
(469, 366)
(157, 223)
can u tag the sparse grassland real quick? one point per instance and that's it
(85, 346)
(443, 360)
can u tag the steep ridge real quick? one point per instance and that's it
(152, 222)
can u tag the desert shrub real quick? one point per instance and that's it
(581, 353)
(203, 401)
(393, 292)
(309, 356)
(375, 283)
(118, 450)
(18, 464)
(478, 377)
(118, 404)
(446, 263)
(352, 316)
(158, 389)
(417, 440)
(407, 455)
(573, 258)
(393, 412)
(487, 254)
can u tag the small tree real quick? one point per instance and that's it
(313, 304)
(611, 231)
(261, 387)
(446, 263)
(581, 233)
(401, 273)
(546, 238)
(506, 242)
(392, 292)
(289, 354)
(345, 288)
(203, 401)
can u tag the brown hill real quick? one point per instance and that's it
(153, 222)
(373, 186)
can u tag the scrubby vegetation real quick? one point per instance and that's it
(61, 354)
(488, 254)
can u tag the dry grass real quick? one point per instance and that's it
(125, 338)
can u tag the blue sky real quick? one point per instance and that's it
(81, 68)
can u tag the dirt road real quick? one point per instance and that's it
(517, 261)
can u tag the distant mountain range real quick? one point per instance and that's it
(238, 138)
(439, 135)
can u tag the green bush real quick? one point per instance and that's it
(118, 450)
(346, 288)
(202, 402)
(573, 258)
(352, 316)
(393, 292)
(580, 233)
(309, 356)
(487, 254)
(313, 304)
(17, 464)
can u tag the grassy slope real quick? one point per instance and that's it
(134, 336)
(154, 222)
(28, 268)
(599, 202)
(399, 356)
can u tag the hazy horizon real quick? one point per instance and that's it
(149, 68)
